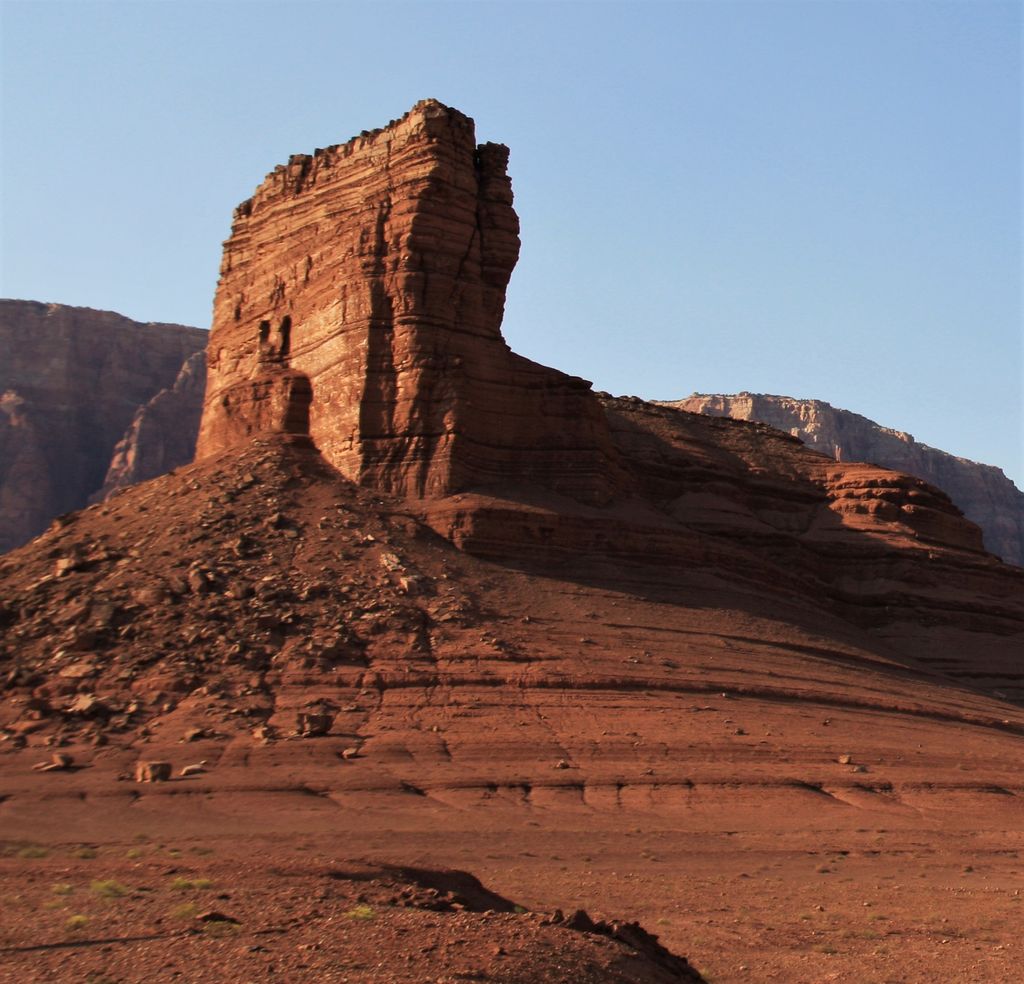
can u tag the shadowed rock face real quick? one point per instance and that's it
(376, 271)
(71, 380)
(162, 434)
(984, 493)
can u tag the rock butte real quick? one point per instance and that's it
(683, 661)
(359, 306)
(360, 301)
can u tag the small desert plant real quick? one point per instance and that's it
(186, 884)
(132, 853)
(85, 853)
(62, 888)
(360, 912)
(219, 927)
(33, 851)
(75, 923)
(109, 889)
(187, 911)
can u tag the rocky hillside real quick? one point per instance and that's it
(71, 381)
(984, 494)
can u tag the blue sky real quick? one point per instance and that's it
(821, 199)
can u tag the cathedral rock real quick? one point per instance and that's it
(360, 303)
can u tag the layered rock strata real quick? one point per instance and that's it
(983, 492)
(71, 380)
(360, 299)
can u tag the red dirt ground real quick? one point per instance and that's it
(778, 794)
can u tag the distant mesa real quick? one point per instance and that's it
(72, 382)
(984, 494)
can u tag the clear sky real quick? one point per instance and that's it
(820, 199)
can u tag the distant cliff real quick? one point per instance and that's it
(982, 492)
(71, 382)
(162, 435)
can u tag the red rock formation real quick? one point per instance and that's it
(363, 287)
(360, 302)
(983, 492)
(70, 382)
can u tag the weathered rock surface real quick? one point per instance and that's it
(360, 301)
(984, 494)
(71, 380)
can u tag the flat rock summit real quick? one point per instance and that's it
(421, 606)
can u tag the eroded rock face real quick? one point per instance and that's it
(361, 298)
(983, 492)
(70, 382)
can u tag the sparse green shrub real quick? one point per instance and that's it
(187, 884)
(109, 888)
(360, 912)
(33, 851)
(76, 923)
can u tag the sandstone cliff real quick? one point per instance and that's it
(71, 380)
(984, 494)
(360, 301)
